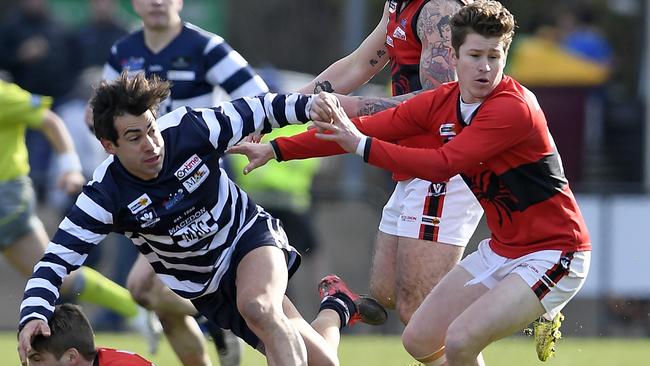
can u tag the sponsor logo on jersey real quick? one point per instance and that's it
(193, 182)
(389, 41)
(402, 23)
(139, 204)
(173, 199)
(437, 189)
(155, 68)
(392, 6)
(399, 34)
(188, 167)
(147, 217)
(447, 129)
(133, 64)
(181, 75)
(196, 227)
(181, 62)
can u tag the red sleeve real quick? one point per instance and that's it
(112, 357)
(407, 119)
(500, 124)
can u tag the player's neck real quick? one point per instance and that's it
(157, 39)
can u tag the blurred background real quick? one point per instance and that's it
(587, 62)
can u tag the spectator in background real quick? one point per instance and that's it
(71, 342)
(36, 50)
(582, 37)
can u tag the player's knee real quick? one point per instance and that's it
(258, 312)
(458, 343)
(413, 342)
(405, 310)
(139, 291)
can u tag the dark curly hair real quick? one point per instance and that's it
(485, 17)
(126, 94)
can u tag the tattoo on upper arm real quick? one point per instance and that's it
(324, 85)
(435, 33)
(381, 53)
(373, 62)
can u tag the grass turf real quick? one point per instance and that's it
(388, 350)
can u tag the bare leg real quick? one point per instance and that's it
(181, 329)
(421, 265)
(261, 284)
(383, 270)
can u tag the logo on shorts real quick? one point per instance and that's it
(431, 220)
(407, 218)
(139, 204)
(437, 189)
(565, 262)
(188, 167)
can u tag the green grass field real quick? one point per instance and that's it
(384, 350)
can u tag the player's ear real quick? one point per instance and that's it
(109, 146)
(71, 357)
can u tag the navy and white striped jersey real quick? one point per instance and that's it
(187, 221)
(195, 62)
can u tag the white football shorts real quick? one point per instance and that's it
(553, 275)
(446, 212)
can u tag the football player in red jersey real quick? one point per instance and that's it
(492, 131)
(71, 343)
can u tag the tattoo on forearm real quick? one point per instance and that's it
(372, 106)
(381, 53)
(324, 85)
(373, 62)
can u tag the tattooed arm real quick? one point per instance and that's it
(355, 69)
(435, 58)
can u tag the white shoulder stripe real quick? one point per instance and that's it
(171, 119)
(227, 66)
(268, 106)
(214, 41)
(100, 171)
(79, 232)
(253, 86)
(94, 210)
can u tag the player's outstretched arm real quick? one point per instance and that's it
(257, 154)
(70, 178)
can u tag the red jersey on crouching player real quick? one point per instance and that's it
(113, 357)
(505, 153)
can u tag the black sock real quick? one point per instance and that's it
(342, 304)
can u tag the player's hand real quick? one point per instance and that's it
(71, 182)
(257, 154)
(323, 107)
(26, 336)
(340, 129)
(253, 138)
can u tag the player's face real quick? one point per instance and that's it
(140, 146)
(479, 65)
(158, 14)
(44, 359)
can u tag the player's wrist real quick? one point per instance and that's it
(68, 162)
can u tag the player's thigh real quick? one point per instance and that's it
(504, 309)
(262, 274)
(426, 331)
(383, 267)
(421, 264)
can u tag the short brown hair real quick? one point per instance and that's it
(487, 18)
(126, 94)
(69, 328)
